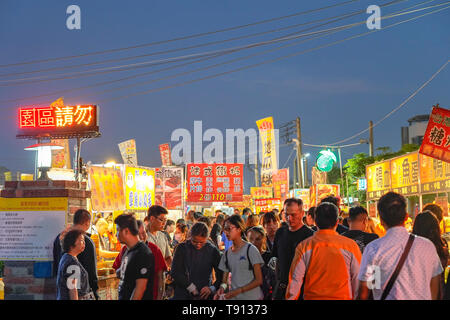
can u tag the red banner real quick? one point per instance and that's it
(281, 184)
(166, 159)
(169, 188)
(436, 141)
(214, 182)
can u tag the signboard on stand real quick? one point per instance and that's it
(164, 150)
(281, 184)
(106, 185)
(128, 152)
(436, 140)
(169, 187)
(139, 187)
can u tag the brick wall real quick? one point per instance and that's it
(20, 283)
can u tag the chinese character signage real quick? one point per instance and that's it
(58, 121)
(106, 185)
(362, 184)
(169, 188)
(128, 152)
(378, 179)
(301, 194)
(164, 150)
(405, 174)
(266, 205)
(269, 153)
(321, 191)
(434, 175)
(247, 202)
(436, 141)
(214, 182)
(281, 184)
(139, 188)
(61, 158)
(261, 192)
(318, 177)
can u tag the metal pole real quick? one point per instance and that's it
(370, 138)
(299, 151)
(77, 175)
(306, 173)
(256, 171)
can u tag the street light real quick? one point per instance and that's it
(305, 168)
(44, 157)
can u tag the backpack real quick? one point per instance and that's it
(265, 287)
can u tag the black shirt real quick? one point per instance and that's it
(284, 247)
(137, 263)
(361, 238)
(87, 258)
(341, 229)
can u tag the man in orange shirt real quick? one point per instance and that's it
(327, 263)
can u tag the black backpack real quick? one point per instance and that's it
(265, 287)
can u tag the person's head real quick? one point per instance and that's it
(73, 242)
(199, 235)
(392, 210)
(234, 227)
(206, 221)
(141, 228)
(326, 216)
(310, 216)
(220, 219)
(170, 226)
(197, 215)
(217, 212)
(293, 210)
(182, 221)
(426, 225)
(157, 217)
(102, 226)
(237, 211)
(246, 211)
(127, 229)
(334, 200)
(181, 231)
(190, 215)
(252, 221)
(82, 219)
(435, 209)
(145, 221)
(282, 216)
(275, 210)
(358, 218)
(257, 236)
(271, 223)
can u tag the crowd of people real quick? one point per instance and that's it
(287, 255)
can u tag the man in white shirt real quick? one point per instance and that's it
(420, 275)
(157, 216)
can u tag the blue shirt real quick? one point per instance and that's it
(226, 242)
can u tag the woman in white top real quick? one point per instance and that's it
(243, 261)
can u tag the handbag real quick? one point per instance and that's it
(400, 264)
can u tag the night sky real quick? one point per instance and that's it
(335, 90)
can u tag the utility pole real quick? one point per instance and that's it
(299, 152)
(295, 179)
(370, 138)
(256, 171)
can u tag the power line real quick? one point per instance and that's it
(398, 107)
(269, 61)
(179, 38)
(174, 59)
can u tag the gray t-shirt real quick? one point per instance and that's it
(161, 241)
(70, 267)
(240, 273)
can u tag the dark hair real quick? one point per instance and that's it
(169, 223)
(326, 215)
(237, 221)
(146, 219)
(182, 227)
(200, 229)
(356, 212)
(252, 221)
(216, 230)
(155, 211)
(127, 221)
(261, 231)
(436, 209)
(334, 200)
(426, 225)
(197, 215)
(68, 242)
(81, 216)
(291, 201)
(246, 210)
(392, 209)
(220, 219)
(270, 216)
(139, 223)
(181, 221)
(312, 212)
(205, 220)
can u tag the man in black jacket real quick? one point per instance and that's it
(192, 266)
(88, 259)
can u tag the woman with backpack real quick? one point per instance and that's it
(243, 261)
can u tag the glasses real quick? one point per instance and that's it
(228, 229)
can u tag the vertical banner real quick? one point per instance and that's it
(139, 188)
(169, 188)
(436, 141)
(269, 154)
(378, 179)
(281, 184)
(107, 191)
(128, 152)
(61, 158)
(214, 182)
(164, 150)
(318, 177)
(405, 174)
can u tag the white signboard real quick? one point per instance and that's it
(29, 235)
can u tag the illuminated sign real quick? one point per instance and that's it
(58, 121)
(325, 160)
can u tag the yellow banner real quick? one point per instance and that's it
(106, 189)
(33, 204)
(378, 179)
(139, 188)
(26, 177)
(269, 154)
(405, 174)
(261, 192)
(61, 158)
(434, 175)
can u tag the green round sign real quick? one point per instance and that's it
(325, 160)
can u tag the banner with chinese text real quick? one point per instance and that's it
(214, 182)
(405, 174)
(247, 202)
(434, 175)
(261, 192)
(269, 155)
(266, 205)
(281, 184)
(318, 177)
(164, 150)
(169, 188)
(139, 187)
(303, 194)
(128, 152)
(106, 185)
(436, 141)
(321, 191)
(61, 158)
(378, 179)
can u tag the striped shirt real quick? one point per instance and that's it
(327, 264)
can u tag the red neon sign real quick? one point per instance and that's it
(58, 120)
